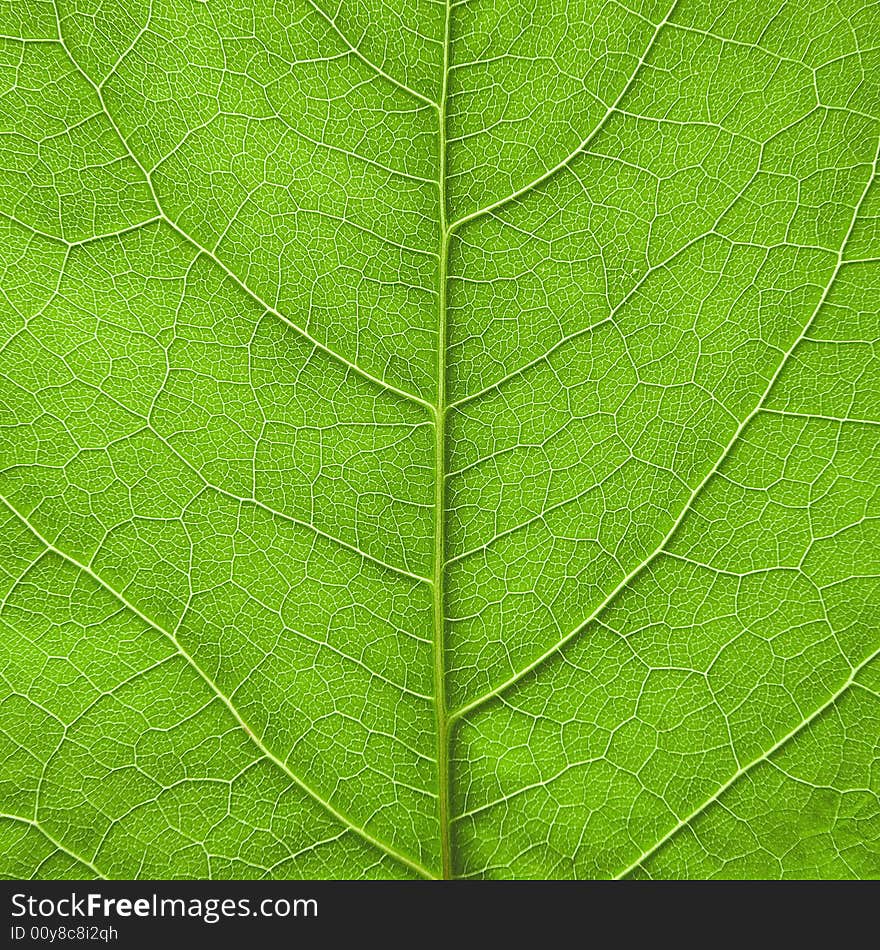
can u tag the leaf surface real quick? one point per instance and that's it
(439, 439)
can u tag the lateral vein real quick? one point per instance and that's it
(550, 172)
(200, 248)
(697, 491)
(252, 735)
(33, 823)
(685, 822)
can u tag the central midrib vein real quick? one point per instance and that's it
(439, 554)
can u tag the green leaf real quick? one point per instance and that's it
(439, 439)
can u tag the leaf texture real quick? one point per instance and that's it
(439, 439)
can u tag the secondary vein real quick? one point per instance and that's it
(210, 255)
(481, 700)
(763, 757)
(349, 823)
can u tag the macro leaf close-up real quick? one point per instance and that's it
(439, 439)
